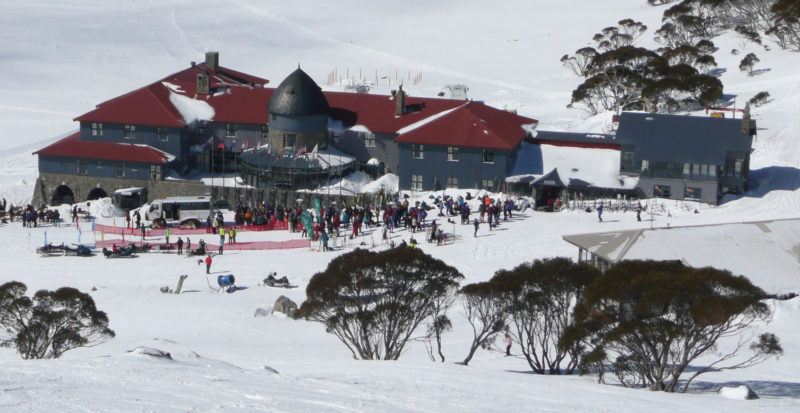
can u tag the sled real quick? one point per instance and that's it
(51, 250)
(79, 251)
(120, 253)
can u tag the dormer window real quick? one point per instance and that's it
(97, 129)
(129, 132)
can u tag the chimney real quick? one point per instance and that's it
(212, 61)
(400, 102)
(202, 84)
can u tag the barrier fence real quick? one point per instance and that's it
(275, 225)
(237, 246)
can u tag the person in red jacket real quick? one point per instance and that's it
(208, 263)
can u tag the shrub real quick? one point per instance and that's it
(647, 321)
(760, 99)
(485, 310)
(51, 323)
(539, 297)
(374, 301)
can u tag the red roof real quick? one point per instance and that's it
(150, 105)
(73, 147)
(377, 112)
(241, 98)
(473, 124)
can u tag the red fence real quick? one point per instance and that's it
(238, 246)
(274, 225)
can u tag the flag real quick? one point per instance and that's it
(45, 238)
(79, 235)
(94, 225)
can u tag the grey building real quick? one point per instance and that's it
(686, 157)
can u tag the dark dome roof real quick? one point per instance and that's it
(298, 95)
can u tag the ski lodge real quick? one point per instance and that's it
(177, 135)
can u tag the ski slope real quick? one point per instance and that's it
(60, 58)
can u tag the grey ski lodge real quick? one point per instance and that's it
(208, 120)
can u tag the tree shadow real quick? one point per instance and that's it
(773, 178)
(763, 388)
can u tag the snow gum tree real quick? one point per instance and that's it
(539, 297)
(484, 307)
(50, 323)
(647, 321)
(374, 301)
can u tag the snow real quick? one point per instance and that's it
(735, 393)
(360, 128)
(508, 54)
(192, 110)
(425, 121)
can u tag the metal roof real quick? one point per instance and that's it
(298, 95)
(677, 138)
(767, 252)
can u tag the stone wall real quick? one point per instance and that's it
(82, 185)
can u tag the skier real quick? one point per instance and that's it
(600, 211)
(477, 224)
(221, 238)
(508, 344)
(208, 264)
(638, 212)
(180, 245)
(324, 237)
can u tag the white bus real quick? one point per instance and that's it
(186, 211)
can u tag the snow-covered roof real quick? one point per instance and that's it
(767, 252)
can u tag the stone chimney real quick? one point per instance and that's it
(400, 102)
(212, 61)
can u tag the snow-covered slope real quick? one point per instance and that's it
(60, 58)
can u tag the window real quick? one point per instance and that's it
(488, 156)
(161, 135)
(487, 184)
(369, 140)
(452, 154)
(695, 169)
(645, 165)
(97, 129)
(626, 160)
(416, 182)
(230, 130)
(129, 132)
(712, 170)
(119, 169)
(155, 172)
(80, 167)
(289, 140)
(452, 182)
(201, 128)
(662, 191)
(417, 151)
(737, 169)
(99, 164)
(687, 169)
(692, 193)
(264, 132)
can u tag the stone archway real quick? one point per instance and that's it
(62, 195)
(96, 193)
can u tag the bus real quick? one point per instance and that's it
(186, 211)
